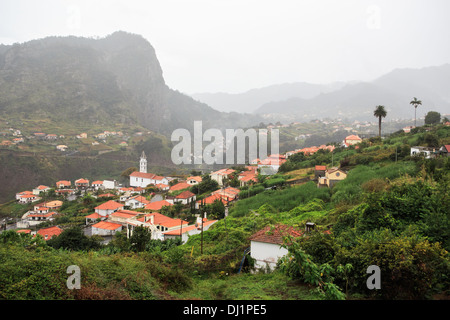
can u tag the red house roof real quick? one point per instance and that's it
(275, 234)
(109, 205)
(49, 233)
(157, 205)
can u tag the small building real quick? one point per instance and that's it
(157, 205)
(40, 189)
(319, 171)
(221, 175)
(428, 153)
(445, 150)
(194, 180)
(62, 184)
(352, 140)
(49, 233)
(185, 197)
(332, 176)
(82, 183)
(266, 245)
(97, 184)
(105, 209)
(106, 228)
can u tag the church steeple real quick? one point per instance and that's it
(143, 163)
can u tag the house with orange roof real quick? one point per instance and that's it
(193, 180)
(266, 245)
(211, 199)
(105, 209)
(351, 140)
(49, 233)
(23, 193)
(36, 218)
(186, 231)
(121, 216)
(97, 184)
(180, 186)
(248, 176)
(332, 176)
(40, 189)
(93, 217)
(185, 197)
(28, 198)
(63, 184)
(157, 205)
(221, 175)
(228, 193)
(106, 228)
(82, 183)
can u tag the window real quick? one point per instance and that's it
(337, 174)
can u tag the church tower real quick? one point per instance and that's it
(143, 163)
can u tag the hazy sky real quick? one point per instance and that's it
(237, 45)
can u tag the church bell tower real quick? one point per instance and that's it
(143, 163)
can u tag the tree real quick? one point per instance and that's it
(415, 103)
(74, 239)
(140, 238)
(432, 117)
(126, 173)
(380, 112)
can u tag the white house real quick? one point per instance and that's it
(105, 209)
(110, 184)
(185, 197)
(106, 228)
(39, 189)
(427, 152)
(266, 245)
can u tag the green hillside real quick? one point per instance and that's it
(392, 210)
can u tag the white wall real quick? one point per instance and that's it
(266, 253)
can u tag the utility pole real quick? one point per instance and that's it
(201, 248)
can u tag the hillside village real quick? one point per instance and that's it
(299, 183)
(154, 201)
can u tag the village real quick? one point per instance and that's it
(148, 198)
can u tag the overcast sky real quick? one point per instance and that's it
(237, 45)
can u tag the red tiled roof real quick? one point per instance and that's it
(97, 182)
(48, 233)
(157, 205)
(63, 182)
(321, 167)
(275, 234)
(109, 205)
(165, 221)
(180, 186)
(81, 181)
(196, 178)
(138, 174)
(353, 137)
(94, 215)
(185, 195)
(107, 225)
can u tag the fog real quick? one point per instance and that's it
(236, 45)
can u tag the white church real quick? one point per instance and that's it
(142, 179)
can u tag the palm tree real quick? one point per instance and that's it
(380, 112)
(415, 103)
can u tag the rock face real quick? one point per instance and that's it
(109, 80)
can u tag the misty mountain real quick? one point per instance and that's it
(116, 79)
(357, 101)
(251, 100)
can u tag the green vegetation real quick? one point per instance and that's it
(392, 210)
